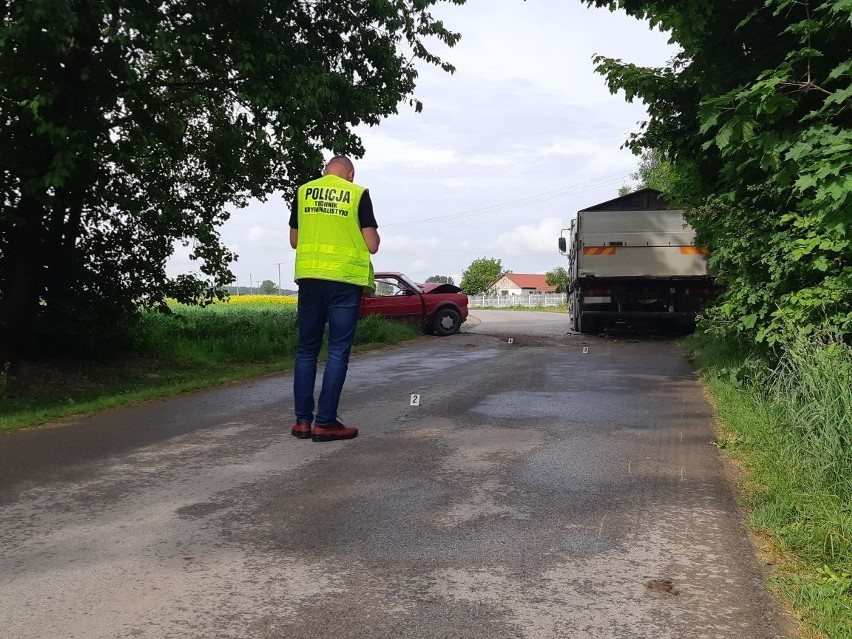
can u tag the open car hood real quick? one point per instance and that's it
(435, 287)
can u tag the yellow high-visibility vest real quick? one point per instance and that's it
(330, 245)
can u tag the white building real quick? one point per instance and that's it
(520, 284)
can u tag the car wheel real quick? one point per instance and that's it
(446, 321)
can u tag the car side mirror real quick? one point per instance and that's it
(562, 245)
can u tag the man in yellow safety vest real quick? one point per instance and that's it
(334, 232)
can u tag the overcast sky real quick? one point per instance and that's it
(506, 150)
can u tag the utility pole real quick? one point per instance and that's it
(279, 277)
(251, 285)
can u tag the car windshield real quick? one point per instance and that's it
(410, 283)
(387, 286)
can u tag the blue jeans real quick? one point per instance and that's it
(322, 301)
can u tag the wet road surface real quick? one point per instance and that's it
(537, 491)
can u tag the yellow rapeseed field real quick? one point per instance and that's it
(261, 299)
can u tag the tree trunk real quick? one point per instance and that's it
(20, 282)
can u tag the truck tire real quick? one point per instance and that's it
(446, 321)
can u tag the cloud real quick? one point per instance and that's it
(549, 44)
(526, 239)
(406, 245)
(384, 149)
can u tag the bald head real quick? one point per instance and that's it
(341, 166)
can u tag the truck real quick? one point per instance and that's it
(633, 260)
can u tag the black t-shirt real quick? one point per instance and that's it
(366, 218)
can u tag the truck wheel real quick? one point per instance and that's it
(446, 321)
(575, 319)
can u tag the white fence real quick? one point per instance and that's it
(516, 301)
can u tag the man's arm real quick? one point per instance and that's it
(294, 221)
(371, 237)
(367, 220)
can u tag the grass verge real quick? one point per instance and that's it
(192, 349)
(560, 308)
(788, 424)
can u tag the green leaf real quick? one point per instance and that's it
(726, 133)
(748, 321)
(806, 182)
(844, 68)
(841, 96)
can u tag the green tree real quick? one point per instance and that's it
(441, 279)
(128, 127)
(559, 278)
(268, 287)
(481, 274)
(655, 171)
(757, 112)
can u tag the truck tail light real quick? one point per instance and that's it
(596, 292)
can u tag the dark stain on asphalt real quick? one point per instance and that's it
(661, 586)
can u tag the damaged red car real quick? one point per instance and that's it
(438, 309)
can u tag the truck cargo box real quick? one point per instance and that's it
(637, 244)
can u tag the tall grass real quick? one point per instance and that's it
(789, 422)
(220, 332)
(243, 333)
(813, 385)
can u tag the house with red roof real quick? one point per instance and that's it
(520, 284)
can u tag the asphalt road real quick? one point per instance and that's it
(538, 491)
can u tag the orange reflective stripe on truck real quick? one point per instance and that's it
(599, 250)
(694, 250)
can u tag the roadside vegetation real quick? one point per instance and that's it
(787, 422)
(556, 308)
(189, 349)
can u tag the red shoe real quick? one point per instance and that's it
(301, 430)
(334, 431)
